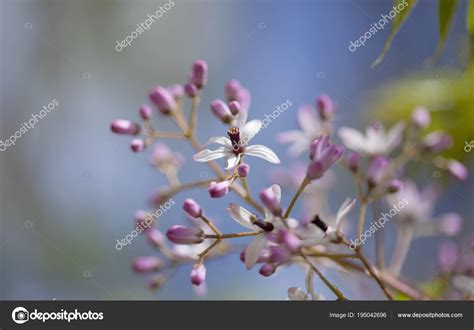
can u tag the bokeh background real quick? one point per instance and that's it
(69, 187)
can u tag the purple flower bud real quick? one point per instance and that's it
(221, 111)
(437, 142)
(279, 254)
(145, 112)
(192, 208)
(155, 237)
(147, 264)
(243, 170)
(325, 107)
(198, 274)
(234, 91)
(448, 256)
(450, 224)
(377, 170)
(140, 219)
(267, 270)
(137, 145)
(323, 155)
(185, 235)
(176, 91)
(234, 107)
(457, 170)
(394, 186)
(198, 75)
(219, 189)
(163, 100)
(271, 202)
(191, 90)
(125, 127)
(421, 117)
(353, 161)
(290, 240)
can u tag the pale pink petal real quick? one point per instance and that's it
(308, 121)
(345, 208)
(277, 191)
(232, 161)
(241, 215)
(253, 250)
(222, 140)
(352, 139)
(207, 155)
(394, 136)
(262, 152)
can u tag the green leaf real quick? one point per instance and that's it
(396, 25)
(446, 11)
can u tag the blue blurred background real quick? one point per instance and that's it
(69, 187)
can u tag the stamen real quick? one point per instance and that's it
(319, 223)
(234, 135)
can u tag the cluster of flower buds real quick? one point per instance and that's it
(238, 101)
(323, 154)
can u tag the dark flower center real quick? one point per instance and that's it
(264, 225)
(319, 223)
(234, 135)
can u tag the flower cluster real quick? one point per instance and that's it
(379, 162)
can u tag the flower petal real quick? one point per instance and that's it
(241, 215)
(253, 250)
(207, 155)
(249, 130)
(222, 140)
(232, 161)
(262, 152)
(394, 136)
(308, 121)
(277, 191)
(352, 139)
(345, 208)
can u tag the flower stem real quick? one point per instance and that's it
(234, 235)
(372, 273)
(362, 211)
(405, 236)
(302, 186)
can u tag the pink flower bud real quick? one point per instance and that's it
(147, 264)
(145, 112)
(450, 224)
(155, 237)
(185, 235)
(437, 142)
(376, 171)
(192, 208)
(448, 256)
(234, 91)
(137, 145)
(290, 240)
(421, 117)
(198, 75)
(191, 90)
(353, 161)
(125, 127)
(234, 107)
(198, 274)
(176, 91)
(243, 170)
(140, 217)
(163, 99)
(279, 254)
(323, 155)
(271, 202)
(267, 270)
(221, 111)
(219, 189)
(457, 170)
(325, 107)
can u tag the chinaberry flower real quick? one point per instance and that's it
(267, 270)
(192, 208)
(219, 189)
(421, 117)
(353, 161)
(221, 111)
(198, 75)
(236, 145)
(234, 91)
(243, 170)
(437, 142)
(377, 170)
(323, 154)
(374, 142)
(155, 237)
(326, 107)
(137, 145)
(265, 226)
(457, 169)
(163, 158)
(300, 140)
(297, 294)
(145, 112)
(198, 274)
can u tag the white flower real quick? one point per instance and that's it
(297, 294)
(313, 235)
(248, 220)
(311, 129)
(374, 142)
(237, 145)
